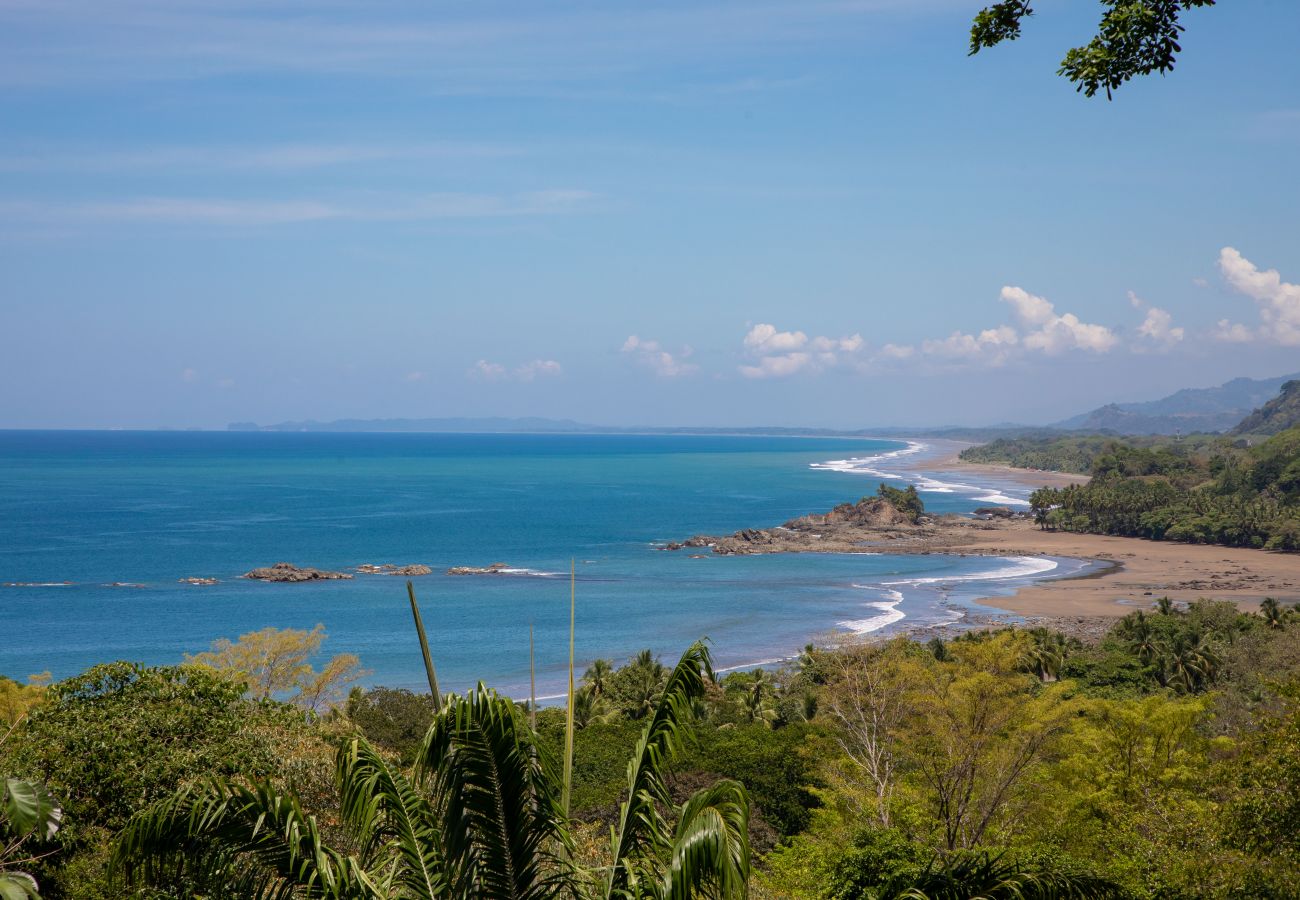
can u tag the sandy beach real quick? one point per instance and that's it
(946, 460)
(1141, 570)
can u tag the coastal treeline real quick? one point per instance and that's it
(1159, 761)
(1239, 497)
(1205, 489)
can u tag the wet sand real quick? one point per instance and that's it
(947, 461)
(1141, 570)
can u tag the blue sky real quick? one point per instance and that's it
(797, 213)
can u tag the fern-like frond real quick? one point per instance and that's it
(710, 850)
(392, 821)
(642, 839)
(502, 822)
(225, 834)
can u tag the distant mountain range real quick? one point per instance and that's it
(1189, 410)
(1278, 414)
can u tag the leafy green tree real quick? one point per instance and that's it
(275, 662)
(907, 500)
(1134, 37)
(121, 736)
(393, 718)
(1264, 817)
(17, 699)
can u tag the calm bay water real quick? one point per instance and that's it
(146, 509)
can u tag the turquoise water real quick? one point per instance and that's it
(146, 509)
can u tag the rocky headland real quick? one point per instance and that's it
(288, 572)
(848, 528)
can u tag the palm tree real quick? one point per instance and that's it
(755, 692)
(1046, 653)
(707, 853)
(589, 707)
(1165, 606)
(1142, 637)
(1190, 663)
(1274, 614)
(478, 817)
(597, 676)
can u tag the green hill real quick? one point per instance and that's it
(1278, 414)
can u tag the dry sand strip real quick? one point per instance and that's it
(1143, 571)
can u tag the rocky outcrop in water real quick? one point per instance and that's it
(494, 569)
(198, 581)
(390, 569)
(288, 572)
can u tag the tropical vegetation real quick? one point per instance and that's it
(1204, 490)
(1159, 761)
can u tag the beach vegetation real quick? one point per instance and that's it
(906, 500)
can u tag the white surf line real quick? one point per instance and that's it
(888, 616)
(1020, 567)
(868, 465)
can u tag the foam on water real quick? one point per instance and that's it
(872, 466)
(890, 613)
(1019, 566)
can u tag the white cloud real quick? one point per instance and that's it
(1051, 334)
(189, 376)
(1278, 301)
(487, 371)
(1233, 332)
(653, 356)
(777, 366)
(1158, 326)
(991, 344)
(764, 339)
(483, 370)
(414, 376)
(225, 383)
(897, 351)
(538, 368)
(776, 354)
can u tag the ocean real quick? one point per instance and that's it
(97, 529)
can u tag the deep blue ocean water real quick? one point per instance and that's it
(149, 508)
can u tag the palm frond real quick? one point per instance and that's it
(642, 837)
(391, 819)
(710, 850)
(494, 794)
(221, 833)
(983, 876)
